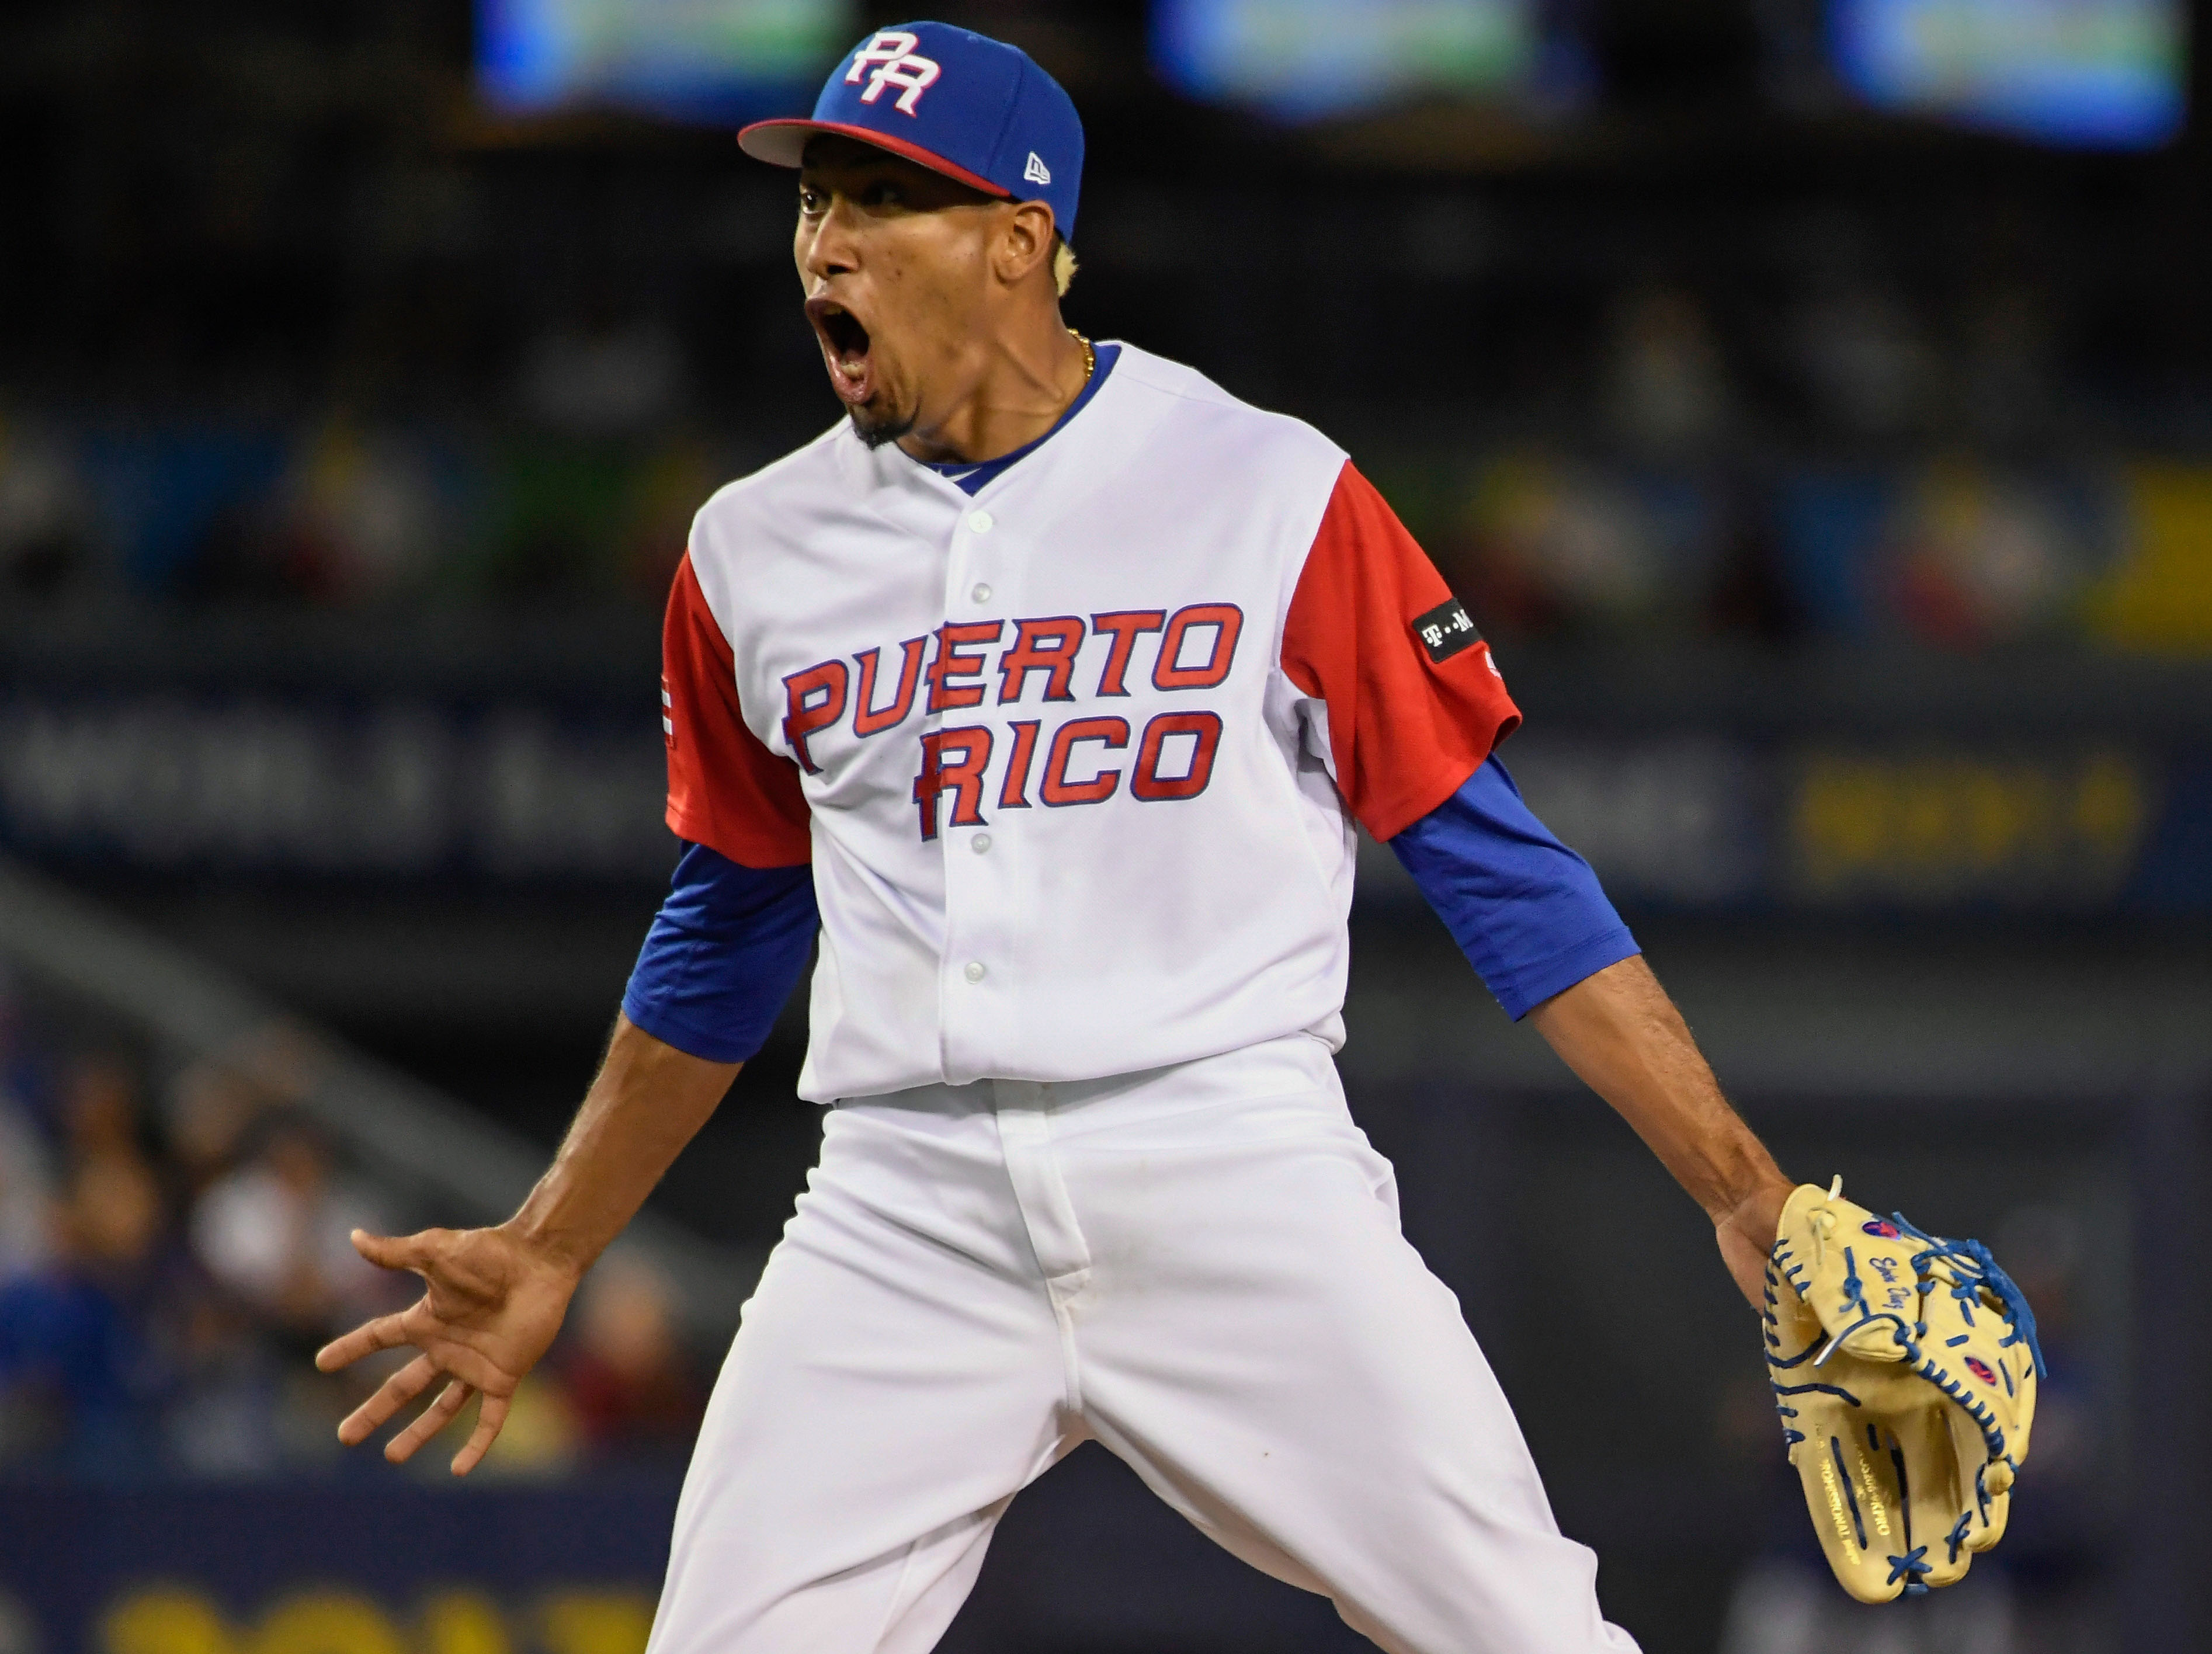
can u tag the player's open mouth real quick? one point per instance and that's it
(844, 348)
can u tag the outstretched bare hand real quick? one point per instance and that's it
(490, 1309)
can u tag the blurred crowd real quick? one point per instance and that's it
(174, 1248)
(342, 511)
(1924, 491)
(1858, 475)
(368, 343)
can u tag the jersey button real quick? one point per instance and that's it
(981, 522)
(974, 971)
(980, 594)
(980, 843)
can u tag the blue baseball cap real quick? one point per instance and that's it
(958, 103)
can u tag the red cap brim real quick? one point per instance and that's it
(782, 143)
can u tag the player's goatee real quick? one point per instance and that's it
(876, 432)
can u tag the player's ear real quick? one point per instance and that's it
(1025, 242)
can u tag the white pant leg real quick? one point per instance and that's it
(898, 1376)
(1261, 1343)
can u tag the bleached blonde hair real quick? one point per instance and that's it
(1063, 266)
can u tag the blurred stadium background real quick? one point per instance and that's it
(1812, 398)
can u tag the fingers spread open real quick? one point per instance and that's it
(386, 1332)
(432, 1420)
(490, 1417)
(402, 1387)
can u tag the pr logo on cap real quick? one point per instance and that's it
(897, 63)
(992, 118)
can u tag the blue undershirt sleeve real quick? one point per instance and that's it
(1526, 910)
(723, 955)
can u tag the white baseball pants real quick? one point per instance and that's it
(1201, 1267)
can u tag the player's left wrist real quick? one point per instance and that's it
(1755, 1208)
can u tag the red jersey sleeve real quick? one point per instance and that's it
(1415, 703)
(725, 790)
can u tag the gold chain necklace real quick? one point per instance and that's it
(1090, 355)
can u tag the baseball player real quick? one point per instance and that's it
(1045, 692)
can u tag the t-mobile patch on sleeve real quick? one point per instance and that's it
(1445, 630)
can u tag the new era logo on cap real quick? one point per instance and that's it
(960, 103)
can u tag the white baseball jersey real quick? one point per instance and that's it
(1076, 760)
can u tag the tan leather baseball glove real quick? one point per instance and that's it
(1904, 1368)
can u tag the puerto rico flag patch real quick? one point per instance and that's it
(1445, 630)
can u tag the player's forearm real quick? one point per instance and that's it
(648, 1100)
(1622, 1035)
